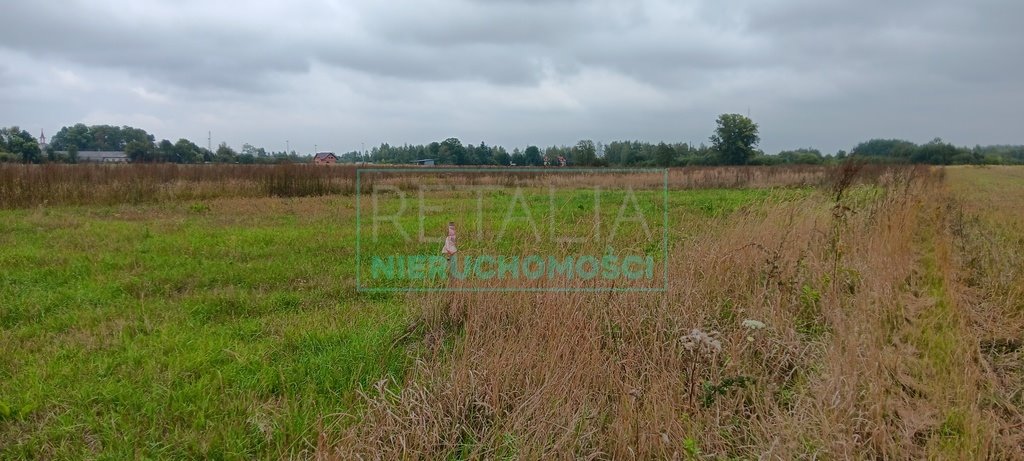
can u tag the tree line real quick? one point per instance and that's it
(17, 145)
(734, 142)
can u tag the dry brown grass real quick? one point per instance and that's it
(869, 351)
(23, 186)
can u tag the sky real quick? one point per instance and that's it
(337, 75)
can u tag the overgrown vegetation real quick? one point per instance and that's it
(52, 184)
(833, 326)
(863, 312)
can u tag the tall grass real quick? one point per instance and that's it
(24, 186)
(848, 363)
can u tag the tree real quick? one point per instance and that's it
(804, 156)
(896, 148)
(21, 143)
(186, 151)
(139, 151)
(484, 155)
(935, 152)
(99, 137)
(735, 138)
(76, 136)
(225, 153)
(531, 156)
(451, 150)
(664, 155)
(501, 156)
(584, 153)
(517, 158)
(129, 134)
(256, 152)
(165, 151)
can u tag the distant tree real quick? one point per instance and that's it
(20, 143)
(935, 152)
(531, 156)
(501, 156)
(225, 154)
(186, 151)
(484, 154)
(806, 156)
(434, 151)
(585, 153)
(129, 134)
(735, 139)
(636, 153)
(894, 148)
(105, 137)
(139, 151)
(253, 151)
(682, 152)
(76, 136)
(99, 137)
(665, 155)
(451, 149)
(165, 151)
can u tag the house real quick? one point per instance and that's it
(102, 156)
(424, 161)
(325, 158)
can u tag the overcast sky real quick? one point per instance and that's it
(335, 74)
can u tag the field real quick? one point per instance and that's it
(183, 312)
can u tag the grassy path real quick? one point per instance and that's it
(945, 397)
(959, 408)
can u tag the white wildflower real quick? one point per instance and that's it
(753, 324)
(699, 340)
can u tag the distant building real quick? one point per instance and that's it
(102, 156)
(424, 161)
(42, 142)
(325, 158)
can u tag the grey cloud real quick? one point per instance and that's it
(931, 66)
(193, 55)
(6, 77)
(482, 62)
(502, 23)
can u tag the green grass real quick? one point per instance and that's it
(219, 330)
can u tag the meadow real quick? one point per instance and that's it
(163, 311)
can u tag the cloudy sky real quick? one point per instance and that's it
(336, 74)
